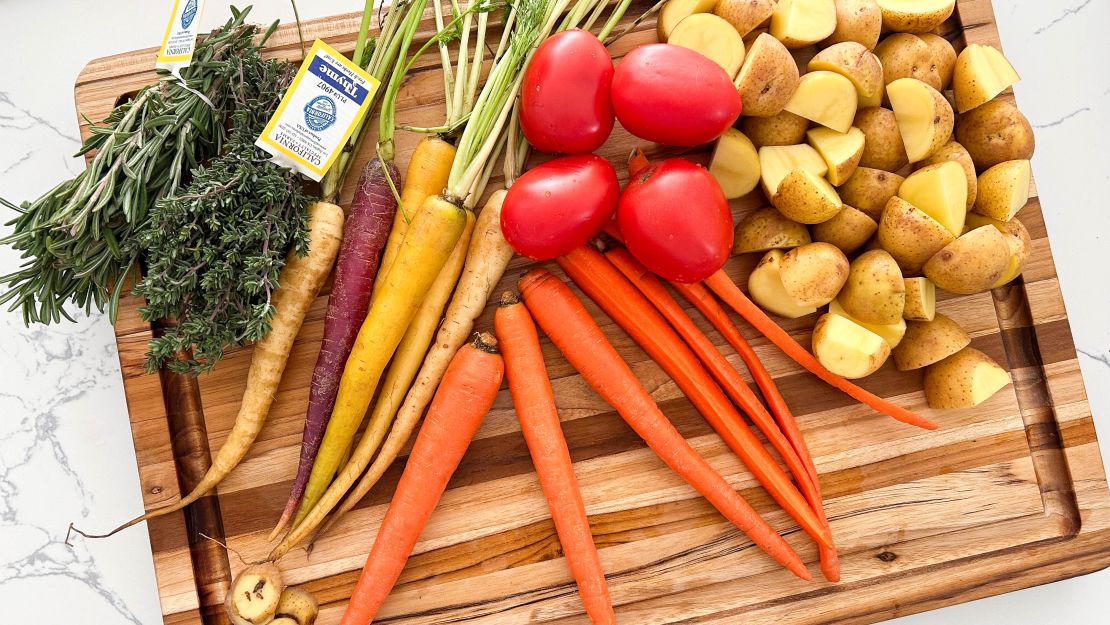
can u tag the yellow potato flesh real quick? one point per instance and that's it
(712, 37)
(806, 198)
(776, 161)
(941, 192)
(892, 333)
(841, 151)
(735, 164)
(848, 349)
(856, 63)
(826, 98)
(921, 300)
(1005, 190)
(765, 287)
(924, 117)
(915, 16)
(674, 11)
(981, 73)
(799, 23)
(964, 380)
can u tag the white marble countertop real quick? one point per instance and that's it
(65, 442)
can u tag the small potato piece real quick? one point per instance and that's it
(735, 164)
(856, 63)
(841, 151)
(921, 299)
(981, 74)
(908, 56)
(964, 380)
(941, 191)
(970, 264)
(766, 229)
(799, 23)
(874, 292)
(944, 55)
(285, 620)
(775, 162)
(826, 98)
(806, 198)
(911, 236)
(869, 190)
(915, 16)
(713, 38)
(254, 595)
(891, 333)
(953, 151)
(813, 274)
(767, 78)
(994, 133)
(883, 147)
(784, 128)
(1017, 237)
(765, 287)
(848, 349)
(927, 342)
(848, 230)
(856, 20)
(297, 605)
(924, 117)
(1004, 190)
(744, 15)
(674, 11)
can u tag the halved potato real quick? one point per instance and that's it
(981, 74)
(841, 151)
(813, 274)
(903, 55)
(775, 162)
(783, 128)
(953, 151)
(941, 191)
(910, 235)
(826, 98)
(713, 38)
(767, 78)
(806, 198)
(921, 299)
(964, 380)
(870, 189)
(766, 229)
(994, 133)
(1017, 237)
(765, 287)
(856, 63)
(744, 15)
(927, 342)
(944, 55)
(892, 333)
(735, 164)
(972, 263)
(874, 292)
(674, 11)
(856, 20)
(883, 147)
(848, 230)
(915, 16)
(1004, 190)
(799, 23)
(924, 117)
(848, 349)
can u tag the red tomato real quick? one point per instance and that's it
(559, 205)
(673, 95)
(676, 221)
(565, 105)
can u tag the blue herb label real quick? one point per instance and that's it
(180, 38)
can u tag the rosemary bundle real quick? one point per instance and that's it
(78, 238)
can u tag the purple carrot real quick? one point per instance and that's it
(364, 236)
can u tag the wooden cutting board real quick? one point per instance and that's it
(1004, 496)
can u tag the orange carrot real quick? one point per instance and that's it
(601, 281)
(727, 290)
(637, 160)
(565, 321)
(465, 396)
(539, 422)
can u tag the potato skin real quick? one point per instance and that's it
(814, 273)
(995, 185)
(848, 230)
(995, 132)
(767, 229)
(948, 384)
(785, 128)
(829, 358)
(874, 291)
(744, 15)
(855, 62)
(799, 197)
(767, 79)
(907, 22)
(856, 20)
(908, 56)
(971, 263)
(926, 342)
(870, 189)
(883, 148)
(911, 236)
(944, 55)
(953, 151)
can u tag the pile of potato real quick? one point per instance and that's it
(891, 169)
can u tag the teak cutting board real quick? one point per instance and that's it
(1007, 495)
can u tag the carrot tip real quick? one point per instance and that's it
(508, 298)
(485, 342)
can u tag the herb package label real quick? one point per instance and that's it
(181, 35)
(327, 99)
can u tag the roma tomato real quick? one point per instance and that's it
(565, 105)
(676, 221)
(672, 95)
(559, 205)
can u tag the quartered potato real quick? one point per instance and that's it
(826, 98)
(883, 148)
(908, 56)
(776, 162)
(298, 606)
(806, 198)
(921, 299)
(953, 151)
(674, 11)
(869, 190)
(964, 380)
(856, 63)
(874, 292)
(766, 288)
(713, 38)
(1017, 238)
(924, 116)
(944, 55)
(915, 16)
(981, 73)
(927, 342)
(767, 79)
(849, 230)
(783, 128)
(841, 151)
(911, 236)
(254, 595)
(892, 333)
(941, 191)
(813, 274)
(799, 23)
(735, 164)
(847, 348)
(972, 263)
(860, 21)
(766, 229)
(994, 133)
(1004, 190)
(744, 15)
